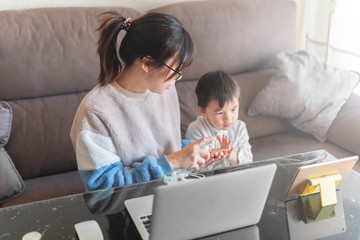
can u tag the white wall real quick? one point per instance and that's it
(141, 5)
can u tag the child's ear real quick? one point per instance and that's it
(145, 63)
(201, 111)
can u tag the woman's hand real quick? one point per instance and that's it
(192, 156)
(218, 154)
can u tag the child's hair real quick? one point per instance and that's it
(155, 35)
(216, 85)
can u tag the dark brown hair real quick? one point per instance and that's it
(216, 85)
(155, 35)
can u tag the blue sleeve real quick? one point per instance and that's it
(117, 175)
(100, 166)
(185, 143)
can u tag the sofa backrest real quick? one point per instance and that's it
(237, 36)
(48, 62)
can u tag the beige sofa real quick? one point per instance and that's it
(49, 62)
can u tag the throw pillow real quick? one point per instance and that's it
(306, 91)
(11, 183)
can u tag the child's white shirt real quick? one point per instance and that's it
(201, 127)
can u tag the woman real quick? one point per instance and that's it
(127, 129)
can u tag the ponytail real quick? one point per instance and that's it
(155, 35)
(110, 64)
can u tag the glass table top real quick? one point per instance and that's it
(55, 218)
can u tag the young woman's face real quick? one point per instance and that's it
(221, 118)
(159, 79)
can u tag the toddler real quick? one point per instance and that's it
(218, 104)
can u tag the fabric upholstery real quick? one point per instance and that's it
(11, 183)
(345, 130)
(5, 123)
(52, 186)
(40, 142)
(289, 143)
(55, 50)
(306, 91)
(235, 35)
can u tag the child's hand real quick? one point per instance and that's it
(225, 143)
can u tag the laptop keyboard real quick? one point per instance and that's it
(146, 220)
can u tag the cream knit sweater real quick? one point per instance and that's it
(121, 137)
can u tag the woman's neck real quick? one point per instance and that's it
(132, 79)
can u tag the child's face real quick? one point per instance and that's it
(221, 118)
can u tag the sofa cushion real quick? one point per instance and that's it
(40, 138)
(345, 130)
(47, 187)
(50, 51)
(11, 183)
(250, 84)
(5, 122)
(290, 143)
(306, 91)
(235, 35)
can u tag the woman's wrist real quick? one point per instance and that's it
(172, 160)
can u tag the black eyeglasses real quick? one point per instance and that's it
(179, 74)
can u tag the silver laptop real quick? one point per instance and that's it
(202, 207)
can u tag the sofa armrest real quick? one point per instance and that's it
(345, 130)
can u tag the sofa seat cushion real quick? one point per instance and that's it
(294, 142)
(47, 187)
(345, 130)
